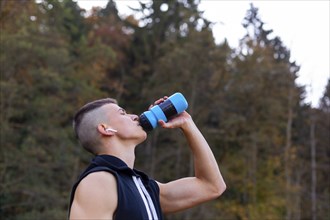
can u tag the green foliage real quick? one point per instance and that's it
(54, 59)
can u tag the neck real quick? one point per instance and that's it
(124, 152)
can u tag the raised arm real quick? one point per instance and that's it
(207, 183)
(95, 197)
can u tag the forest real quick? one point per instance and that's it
(272, 147)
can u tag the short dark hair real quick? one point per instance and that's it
(78, 117)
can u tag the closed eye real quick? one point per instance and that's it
(122, 111)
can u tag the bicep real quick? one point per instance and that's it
(181, 194)
(95, 197)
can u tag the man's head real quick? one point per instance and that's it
(92, 121)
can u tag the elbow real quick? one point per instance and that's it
(217, 190)
(221, 188)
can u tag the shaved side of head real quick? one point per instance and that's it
(86, 121)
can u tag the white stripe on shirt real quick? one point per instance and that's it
(145, 196)
(151, 204)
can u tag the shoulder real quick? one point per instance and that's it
(96, 196)
(100, 181)
(99, 175)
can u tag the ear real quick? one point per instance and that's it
(102, 128)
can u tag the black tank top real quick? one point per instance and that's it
(138, 196)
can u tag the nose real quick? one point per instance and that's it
(135, 117)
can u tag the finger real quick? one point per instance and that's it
(162, 123)
(159, 101)
(156, 103)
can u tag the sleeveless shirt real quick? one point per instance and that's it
(138, 195)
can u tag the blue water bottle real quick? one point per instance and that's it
(172, 106)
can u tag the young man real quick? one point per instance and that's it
(110, 188)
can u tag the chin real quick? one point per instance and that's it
(140, 136)
(144, 136)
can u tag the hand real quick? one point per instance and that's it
(178, 121)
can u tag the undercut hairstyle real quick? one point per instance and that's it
(87, 119)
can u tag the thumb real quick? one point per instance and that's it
(162, 123)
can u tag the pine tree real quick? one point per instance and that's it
(262, 97)
(41, 86)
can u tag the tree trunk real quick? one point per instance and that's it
(254, 168)
(287, 158)
(313, 167)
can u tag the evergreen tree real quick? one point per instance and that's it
(273, 149)
(40, 90)
(262, 98)
(108, 30)
(162, 27)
